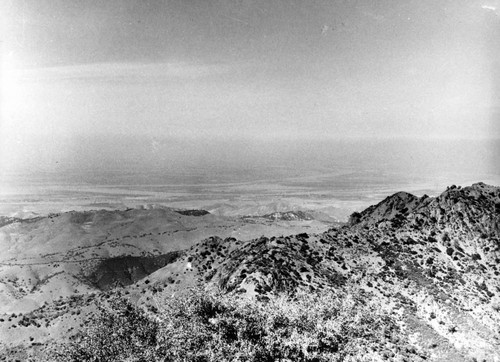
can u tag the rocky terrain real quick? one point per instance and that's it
(434, 262)
(435, 259)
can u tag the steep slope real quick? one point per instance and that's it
(433, 262)
(435, 259)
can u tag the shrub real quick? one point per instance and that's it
(208, 327)
(119, 331)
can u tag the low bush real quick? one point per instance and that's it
(206, 327)
(118, 331)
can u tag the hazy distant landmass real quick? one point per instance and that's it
(336, 177)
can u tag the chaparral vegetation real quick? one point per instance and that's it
(209, 327)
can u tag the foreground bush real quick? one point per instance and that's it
(119, 331)
(199, 326)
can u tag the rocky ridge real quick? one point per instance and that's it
(435, 259)
(434, 262)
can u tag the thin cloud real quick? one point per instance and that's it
(489, 7)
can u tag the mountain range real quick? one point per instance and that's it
(433, 261)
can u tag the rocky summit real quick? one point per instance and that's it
(432, 262)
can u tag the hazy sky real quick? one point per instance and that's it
(257, 69)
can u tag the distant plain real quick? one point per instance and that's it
(238, 178)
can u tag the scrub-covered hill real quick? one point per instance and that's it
(72, 253)
(429, 265)
(436, 259)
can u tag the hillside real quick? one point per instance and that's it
(70, 253)
(432, 262)
(435, 259)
